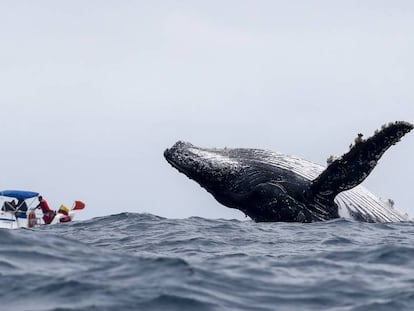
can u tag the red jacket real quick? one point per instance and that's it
(45, 207)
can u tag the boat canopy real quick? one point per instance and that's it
(19, 194)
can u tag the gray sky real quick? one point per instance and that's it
(92, 92)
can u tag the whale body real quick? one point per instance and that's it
(271, 186)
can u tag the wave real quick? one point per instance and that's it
(146, 262)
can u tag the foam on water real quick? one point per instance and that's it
(145, 262)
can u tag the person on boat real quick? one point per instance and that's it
(21, 205)
(65, 214)
(21, 208)
(48, 214)
(9, 206)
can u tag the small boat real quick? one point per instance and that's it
(18, 210)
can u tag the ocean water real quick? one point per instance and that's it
(144, 262)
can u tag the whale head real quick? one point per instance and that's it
(213, 169)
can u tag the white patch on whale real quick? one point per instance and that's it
(217, 159)
(357, 200)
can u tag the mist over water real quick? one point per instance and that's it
(144, 262)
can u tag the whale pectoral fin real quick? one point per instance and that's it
(353, 167)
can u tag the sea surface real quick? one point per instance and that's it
(144, 262)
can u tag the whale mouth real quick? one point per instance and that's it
(177, 156)
(169, 158)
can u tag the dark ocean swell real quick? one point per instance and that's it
(144, 262)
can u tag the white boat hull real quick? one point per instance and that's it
(8, 220)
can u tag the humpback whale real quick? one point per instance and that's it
(271, 186)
